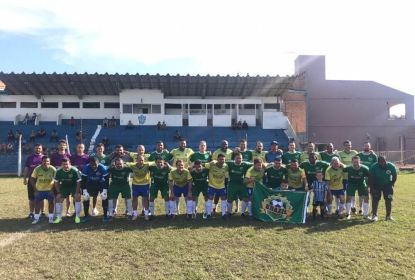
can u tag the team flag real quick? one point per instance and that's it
(279, 206)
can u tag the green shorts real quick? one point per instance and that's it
(361, 190)
(198, 189)
(236, 191)
(164, 191)
(115, 190)
(67, 191)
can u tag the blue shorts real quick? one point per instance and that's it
(250, 192)
(141, 190)
(94, 188)
(218, 192)
(337, 193)
(377, 192)
(345, 184)
(41, 195)
(179, 191)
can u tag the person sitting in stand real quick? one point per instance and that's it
(41, 133)
(33, 120)
(72, 122)
(54, 136)
(113, 122)
(32, 136)
(163, 125)
(239, 125)
(79, 136)
(158, 125)
(130, 125)
(26, 118)
(10, 136)
(177, 135)
(105, 141)
(245, 125)
(105, 122)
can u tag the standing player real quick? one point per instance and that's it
(382, 178)
(159, 182)
(253, 175)
(320, 190)
(273, 152)
(182, 152)
(236, 187)
(329, 153)
(368, 156)
(312, 166)
(242, 149)
(67, 183)
(296, 179)
(99, 154)
(218, 172)
(334, 177)
(94, 181)
(42, 182)
(180, 183)
(356, 178)
(275, 175)
(141, 151)
(79, 160)
(202, 155)
(290, 154)
(259, 152)
(159, 152)
(119, 184)
(224, 150)
(346, 158)
(200, 183)
(306, 154)
(32, 162)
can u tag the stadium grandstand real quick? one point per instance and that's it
(132, 109)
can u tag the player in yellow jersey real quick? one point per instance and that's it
(180, 183)
(218, 172)
(182, 152)
(141, 151)
(253, 174)
(223, 150)
(259, 152)
(310, 149)
(334, 177)
(42, 182)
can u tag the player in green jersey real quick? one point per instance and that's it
(329, 153)
(275, 175)
(159, 152)
(200, 184)
(159, 182)
(119, 184)
(242, 149)
(202, 155)
(356, 177)
(290, 154)
(67, 183)
(368, 157)
(311, 166)
(346, 158)
(236, 187)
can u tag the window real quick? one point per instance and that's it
(141, 108)
(397, 112)
(173, 106)
(67, 105)
(127, 108)
(91, 105)
(156, 109)
(49, 105)
(111, 105)
(7, 104)
(28, 104)
(272, 106)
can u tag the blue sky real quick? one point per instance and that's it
(362, 40)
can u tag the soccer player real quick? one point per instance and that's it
(99, 154)
(182, 152)
(296, 179)
(119, 184)
(290, 154)
(159, 152)
(218, 172)
(141, 151)
(310, 149)
(236, 187)
(311, 166)
(200, 183)
(275, 175)
(94, 182)
(180, 183)
(382, 178)
(356, 177)
(273, 152)
(334, 177)
(224, 150)
(141, 184)
(120, 153)
(368, 156)
(259, 152)
(202, 155)
(345, 157)
(159, 182)
(80, 159)
(67, 183)
(254, 174)
(320, 190)
(329, 153)
(242, 149)
(42, 182)
(32, 162)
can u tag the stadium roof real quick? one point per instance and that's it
(170, 85)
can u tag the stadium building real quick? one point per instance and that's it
(304, 106)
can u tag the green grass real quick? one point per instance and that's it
(215, 249)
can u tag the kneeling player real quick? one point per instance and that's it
(180, 183)
(159, 182)
(120, 184)
(67, 183)
(42, 182)
(200, 183)
(94, 177)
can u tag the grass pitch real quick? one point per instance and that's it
(180, 249)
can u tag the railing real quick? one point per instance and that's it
(403, 157)
(291, 133)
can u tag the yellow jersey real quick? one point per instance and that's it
(183, 155)
(44, 178)
(253, 173)
(180, 179)
(141, 174)
(217, 175)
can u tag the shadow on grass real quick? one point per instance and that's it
(180, 222)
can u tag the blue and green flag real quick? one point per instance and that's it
(279, 206)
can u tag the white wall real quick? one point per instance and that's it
(250, 119)
(274, 120)
(197, 120)
(151, 119)
(222, 120)
(174, 120)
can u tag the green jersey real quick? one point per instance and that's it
(305, 155)
(200, 179)
(68, 178)
(274, 177)
(246, 155)
(327, 157)
(311, 169)
(164, 155)
(346, 157)
(380, 176)
(368, 159)
(120, 177)
(237, 172)
(356, 177)
(160, 176)
(205, 157)
(289, 156)
(103, 159)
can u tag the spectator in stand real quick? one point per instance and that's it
(32, 136)
(239, 125)
(129, 125)
(17, 135)
(10, 136)
(113, 122)
(3, 148)
(245, 125)
(26, 118)
(163, 125)
(41, 133)
(33, 120)
(105, 141)
(105, 122)
(54, 137)
(79, 136)
(158, 125)
(72, 122)
(177, 135)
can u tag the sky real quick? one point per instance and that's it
(362, 40)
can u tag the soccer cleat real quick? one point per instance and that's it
(204, 215)
(57, 220)
(34, 222)
(42, 214)
(360, 212)
(389, 218)
(51, 221)
(229, 214)
(31, 216)
(85, 219)
(129, 217)
(314, 214)
(69, 214)
(188, 216)
(243, 215)
(94, 212)
(366, 217)
(77, 220)
(375, 218)
(348, 217)
(135, 217)
(353, 210)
